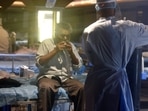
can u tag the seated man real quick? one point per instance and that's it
(56, 59)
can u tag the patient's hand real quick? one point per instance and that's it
(61, 45)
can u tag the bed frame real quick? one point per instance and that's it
(16, 60)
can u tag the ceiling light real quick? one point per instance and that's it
(18, 3)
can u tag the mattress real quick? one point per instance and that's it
(27, 91)
(11, 95)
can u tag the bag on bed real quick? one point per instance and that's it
(8, 82)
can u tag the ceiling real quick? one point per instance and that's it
(8, 3)
(4, 4)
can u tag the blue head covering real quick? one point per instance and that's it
(103, 4)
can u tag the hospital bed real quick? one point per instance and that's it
(23, 98)
(11, 64)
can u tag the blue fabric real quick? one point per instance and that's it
(109, 45)
(100, 6)
(61, 94)
(11, 95)
(27, 91)
(81, 70)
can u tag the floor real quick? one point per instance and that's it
(144, 96)
(144, 106)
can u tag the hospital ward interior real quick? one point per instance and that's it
(27, 21)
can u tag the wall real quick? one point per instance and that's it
(78, 17)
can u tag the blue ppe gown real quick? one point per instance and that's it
(109, 44)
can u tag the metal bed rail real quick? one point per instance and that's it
(14, 57)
